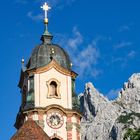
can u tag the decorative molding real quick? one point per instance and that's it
(58, 96)
(55, 65)
(30, 116)
(67, 112)
(69, 126)
(55, 110)
(78, 127)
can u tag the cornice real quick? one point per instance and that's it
(55, 65)
(66, 111)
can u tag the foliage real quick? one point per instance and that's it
(128, 118)
(132, 134)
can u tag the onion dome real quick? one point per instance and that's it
(45, 52)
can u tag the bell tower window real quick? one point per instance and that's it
(30, 94)
(24, 92)
(53, 89)
(55, 139)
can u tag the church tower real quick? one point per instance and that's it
(47, 85)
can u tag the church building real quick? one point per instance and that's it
(49, 108)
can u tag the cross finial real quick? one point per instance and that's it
(46, 8)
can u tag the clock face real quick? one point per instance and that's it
(55, 120)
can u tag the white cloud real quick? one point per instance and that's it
(76, 40)
(86, 60)
(34, 17)
(53, 3)
(84, 56)
(96, 72)
(124, 28)
(117, 59)
(56, 3)
(124, 60)
(132, 54)
(90, 53)
(127, 58)
(122, 45)
(113, 93)
(87, 57)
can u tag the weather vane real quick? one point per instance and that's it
(46, 8)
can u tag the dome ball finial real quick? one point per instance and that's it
(22, 60)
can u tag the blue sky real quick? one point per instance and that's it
(102, 38)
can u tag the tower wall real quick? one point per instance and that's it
(43, 96)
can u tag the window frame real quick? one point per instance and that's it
(58, 96)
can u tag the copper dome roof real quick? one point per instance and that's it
(44, 53)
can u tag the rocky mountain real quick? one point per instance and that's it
(111, 120)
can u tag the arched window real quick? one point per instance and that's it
(55, 139)
(53, 88)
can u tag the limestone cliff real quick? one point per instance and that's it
(110, 120)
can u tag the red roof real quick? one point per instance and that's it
(30, 131)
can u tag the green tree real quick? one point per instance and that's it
(132, 134)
